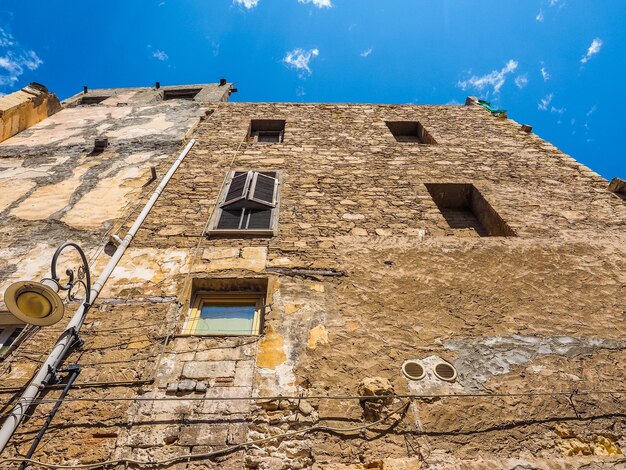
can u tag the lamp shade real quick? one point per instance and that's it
(34, 303)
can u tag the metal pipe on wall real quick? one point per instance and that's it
(67, 338)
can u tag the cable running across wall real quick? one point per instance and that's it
(343, 397)
(207, 455)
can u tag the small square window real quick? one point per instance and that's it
(92, 100)
(224, 315)
(226, 307)
(464, 208)
(8, 335)
(266, 131)
(181, 94)
(410, 131)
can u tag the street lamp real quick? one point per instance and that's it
(39, 303)
(34, 302)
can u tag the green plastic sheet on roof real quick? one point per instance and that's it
(488, 107)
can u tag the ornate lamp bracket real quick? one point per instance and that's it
(82, 275)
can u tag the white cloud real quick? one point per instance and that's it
(521, 81)
(592, 110)
(545, 74)
(594, 48)
(366, 52)
(545, 102)
(299, 59)
(246, 3)
(317, 3)
(494, 79)
(6, 39)
(557, 110)
(14, 59)
(160, 55)
(539, 16)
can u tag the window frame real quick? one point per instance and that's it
(183, 93)
(254, 137)
(219, 207)
(5, 333)
(266, 126)
(400, 132)
(202, 297)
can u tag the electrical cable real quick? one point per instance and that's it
(340, 397)
(208, 455)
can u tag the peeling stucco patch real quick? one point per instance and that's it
(317, 336)
(292, 308)
(18, 189)
(46, 200)
(271, 350)
(107, 200)
(148, 269)
(481, 358)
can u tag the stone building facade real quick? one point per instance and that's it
(319, 286)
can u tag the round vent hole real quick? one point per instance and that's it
(413, 370)
(445, 371)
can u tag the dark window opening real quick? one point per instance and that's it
(410, 131)
(245, 219)
(463, 207)
(91, 100)
(266, 131)
(182, 94)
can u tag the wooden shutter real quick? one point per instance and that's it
(259, 219)
(230, 219)
(263, 189)
(238, 188)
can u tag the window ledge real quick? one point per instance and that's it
(239, 233)
(213, 335)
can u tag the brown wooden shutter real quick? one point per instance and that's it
(259, 219)
(263, 189)
(230, 219)
(238, 188)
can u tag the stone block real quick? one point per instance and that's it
(220, 403)
(214, 253)
(186, 385)
(254, 253)
(203, 434)
(244, 374)
(152, 435)
(208, 369)
(220, 354)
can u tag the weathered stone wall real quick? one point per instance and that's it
(365, 273)
(53, 188)
(25, 108)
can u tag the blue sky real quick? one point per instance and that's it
(558, 65)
